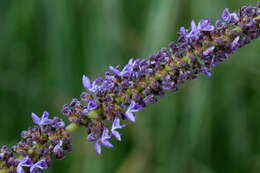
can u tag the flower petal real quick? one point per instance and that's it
(105, 134)
(116, 134)
(26, 162)
(226, 15)
(114, 70)
(45, 115)
(130, 116)
(36, 119)
(40, 165)
(98, 147)
(86, 83)
(116, 124)
(107, 144)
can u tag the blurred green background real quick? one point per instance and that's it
(209, 126)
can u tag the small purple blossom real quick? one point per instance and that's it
(39, 166)
(88, 85)
(206, 72)
(208, 51)
(92, 104)
(235, 43)
(116, 125)
(115, 70)
(204, 25)
(44, 120)
(150, 99)
(127, 70)
(183, 31)
(194, 30)
(134, 107)
(58, 150)
(226, 15)
(229, 17)
(57, 123)
(26, 162)
(104, 140)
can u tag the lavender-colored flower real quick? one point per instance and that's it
(226, 15)
(150, 99)
(115, 70)
(209, 51)
(127, 70)
(183, 31)
(58, 150)
(134, 107)
(235, 43)
(57, 123)
(87, 84)
(39, 166)
(44, 120)
(104, 140)
(204, 25)
(229, 17)
(92, 104)
(116, 125)
(194, 30)
(26, 162)
(206, 72)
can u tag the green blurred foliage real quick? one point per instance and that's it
(210, 125)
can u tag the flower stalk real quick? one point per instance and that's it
(120, 94)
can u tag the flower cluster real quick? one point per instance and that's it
(38, 146)
(122, 93)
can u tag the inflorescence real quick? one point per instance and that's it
(120, 94)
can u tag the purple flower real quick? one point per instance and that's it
(104, 140)
(57, 123)
(58, 150)
(194, 30)
(219, 24)
(115, 70)
(150, 99)
(39, 166)
(206, 72)
(107, 84)
(229, 17)
(44, 120)
(116, 125)
(235, 43)
(234, 17)
(88, 85)
(226, 15)
(85, 96)
(92, 137)
(26, 162)
(92, 104)
(208, 51)
(134, 107)
(127, 70)
(183, 31)
(204, 25)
